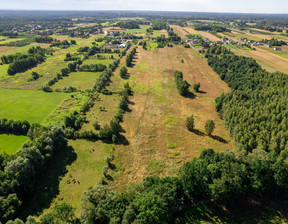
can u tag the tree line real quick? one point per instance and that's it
(15, 127)
(45, 39)
(224, 176)
(274, 42)
(212, 27)
(64, 72)
(63, 44)
(181, 85)
(130, 56)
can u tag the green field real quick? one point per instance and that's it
(80, 80)
(11, 143)
(30, 105)
(142, 30)
(47, 70)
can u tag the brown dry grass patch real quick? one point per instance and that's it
(6, 48)
(203, 33)
(159, 142)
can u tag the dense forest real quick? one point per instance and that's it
(255, 112)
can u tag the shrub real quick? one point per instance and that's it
(96, 125)
(209, 127)
(190, 123)
(196, 87)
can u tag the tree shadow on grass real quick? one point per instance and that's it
(108, 177)
(190, 95)
(240, 211)
(132, 103)
(127, 76)
(47, 186)
(198, 132)
(123, 140)
(219, 139)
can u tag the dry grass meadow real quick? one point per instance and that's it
(158, 141)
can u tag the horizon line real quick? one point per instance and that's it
(137, 10)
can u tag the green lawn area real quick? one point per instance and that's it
(152, 46)
(80, 80)
(30, 105)
(10, 143)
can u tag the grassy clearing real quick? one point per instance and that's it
(151, 46)
(105, 61)
(159, 142)
(12, 50)
(83, 165)
(33, 106)
(11, 143)
(72, 103)
(86, 168)
(109, 103)
(80, 80)
(4, 49)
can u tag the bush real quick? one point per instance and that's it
(123, 72)
(190, 123)
(196, 87)
(96, 125)
(209, 127)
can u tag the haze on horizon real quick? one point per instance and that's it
(233, 6)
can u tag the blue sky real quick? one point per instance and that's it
(243, 6)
